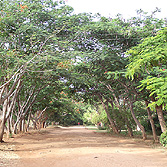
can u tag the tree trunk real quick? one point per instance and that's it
(28, 121)
(15, 130)
(136, 121)
(34, 125)
(161, 118)
(43, 124)
(23, 125)
(9, 131)
(2, 127)
(130, 132)
(11, 121)
(113, 126)
(3, 120)
(20, 126)
(151, 122)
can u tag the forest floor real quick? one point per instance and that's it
(79, 147)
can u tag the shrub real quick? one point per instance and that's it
(163, 138)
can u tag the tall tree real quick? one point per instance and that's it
(148, 62)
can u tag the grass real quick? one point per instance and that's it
(91, 127)
(102, 131)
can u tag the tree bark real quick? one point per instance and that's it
(151, 122)
(113, 126)
(34, 125)
(3, 120)
(28, 121)
(9, 92)
(9, 131)
(15, 128)
(20, 125)
(130, 132)
(137, 121)
(160, 116)
(132, 112)
(23, 125)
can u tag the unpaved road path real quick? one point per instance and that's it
(79, 147)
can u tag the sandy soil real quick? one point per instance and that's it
(78, 147)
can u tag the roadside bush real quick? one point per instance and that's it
(163, 138)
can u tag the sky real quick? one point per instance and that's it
(110, 8)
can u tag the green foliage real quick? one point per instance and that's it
(158, 87)
(38, 36)
(150, 53)
(94, 117)
(102, 117)
(163, 138)
(150, 58)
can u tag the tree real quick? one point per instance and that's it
(35, 37)
(150, 58)
(104, 44)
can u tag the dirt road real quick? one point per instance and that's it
(78, 147)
